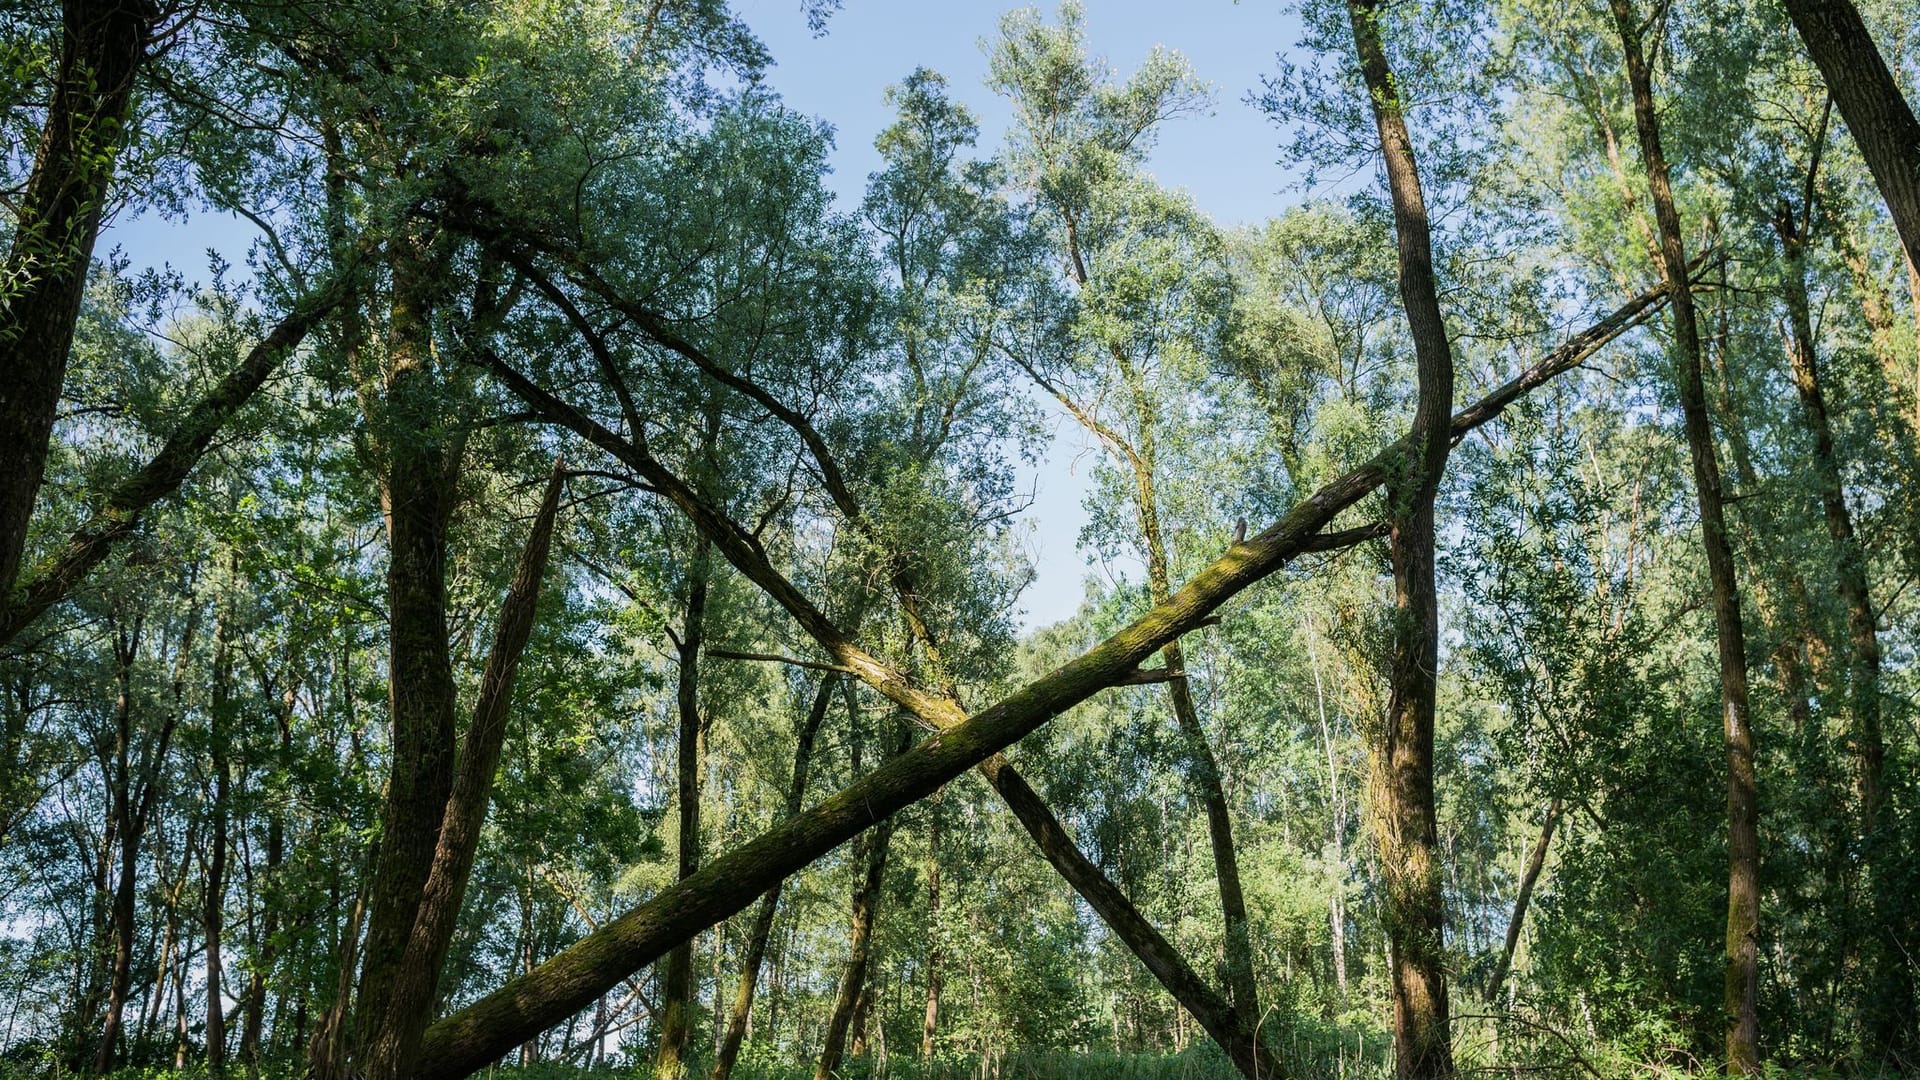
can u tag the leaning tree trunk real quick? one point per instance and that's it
(1536, 862)
(1743, 803)
(1242, 1043)
(757, 938)
(120, 510)
(1882, 122)
(1203, 768)
(416, 984)
(103, 43)
(1406, 823)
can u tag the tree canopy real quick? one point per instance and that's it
(540, 612)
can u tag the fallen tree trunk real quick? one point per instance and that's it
(570, 981)
(121, 510)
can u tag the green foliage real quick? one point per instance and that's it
(605, 199)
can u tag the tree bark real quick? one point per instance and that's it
(214, 901)
(1743, 809)
(103, 43)
(757, 938)
(573, 978)
(1407, 824)
(1881, 120)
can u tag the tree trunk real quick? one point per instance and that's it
(1203, 770)
(134, 790)
(1222, 1021)
(1850, 575)
(756, 950)
(180, 1012)
(1882, 122)
(327, 1052)
(853, 979)
(1876, 307)
(930, 1025)
(1337, 813)
(1536, 861)
(214, 898)
(676, 1002)
(170, 941)
(420, 471)
(1743, 810)
(251, 1030)
(125, 892)
(103, 43)
(415, 986)
(1204, 773)
(213, 914)
(1406, 823)
(574, 977)
(121, 509)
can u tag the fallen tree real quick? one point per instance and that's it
(478, 1034)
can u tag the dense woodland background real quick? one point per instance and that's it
(540, 611)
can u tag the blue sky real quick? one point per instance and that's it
(1225, 159)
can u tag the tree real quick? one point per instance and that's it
(1403, 766)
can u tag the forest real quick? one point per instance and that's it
(535, 614)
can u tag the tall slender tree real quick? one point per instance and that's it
(1743, 800)
(1406, 822)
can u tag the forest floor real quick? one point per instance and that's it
(1200, 1063)
(1197, 1063)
